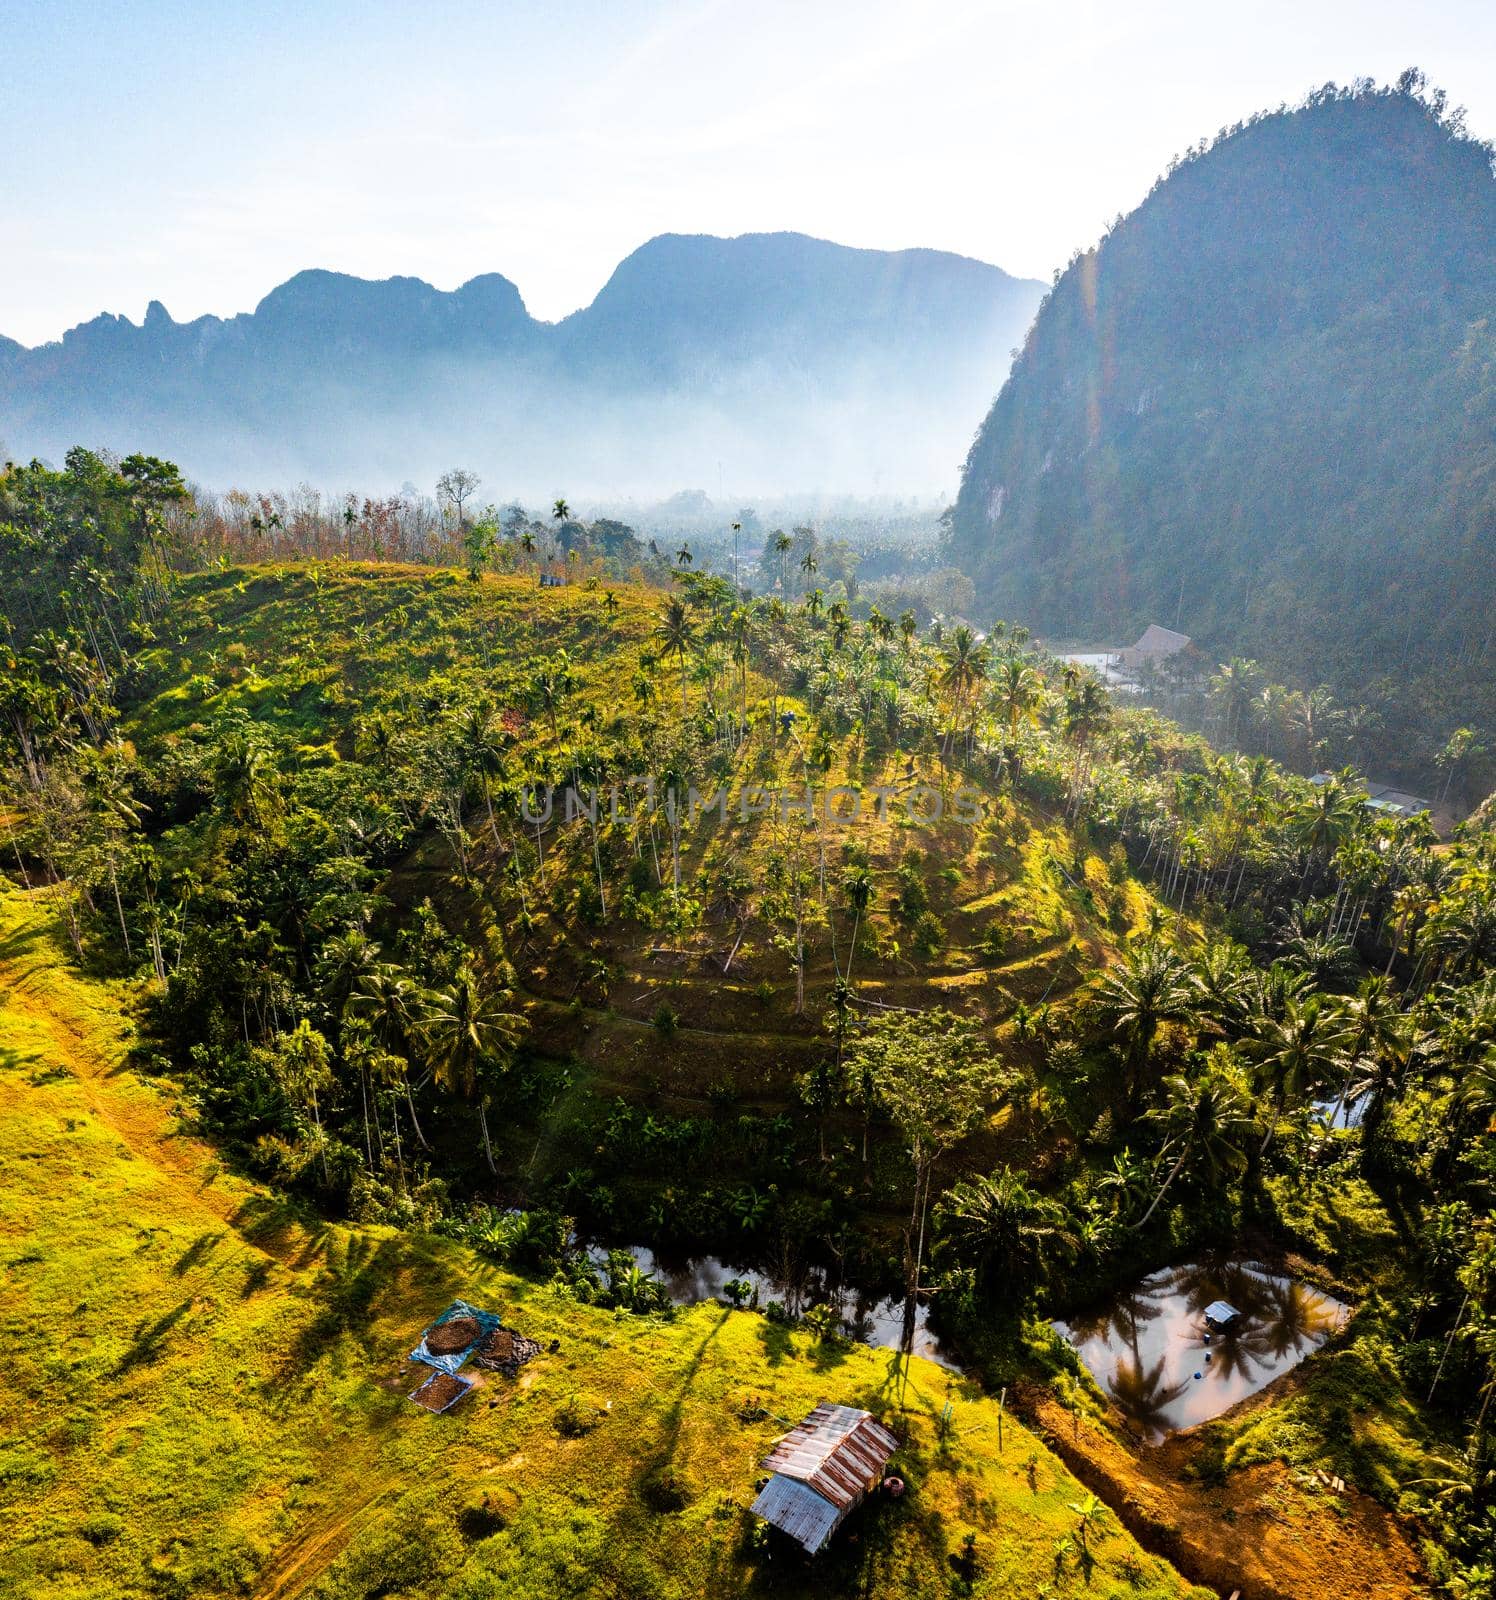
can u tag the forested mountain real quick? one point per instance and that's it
(1263, 410)
(789, 361)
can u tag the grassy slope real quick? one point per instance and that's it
(205, 1396)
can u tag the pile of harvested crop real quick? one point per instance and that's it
(503, 1350)
(440, 1392)
(451, 1336)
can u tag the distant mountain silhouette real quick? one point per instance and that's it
(791, 361)
(1264, 411)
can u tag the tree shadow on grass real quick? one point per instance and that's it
(357, 1269)
(197, 1252)
(272, 1224)
(830, 1353)
(150, 1339)
(654, 1482)
(256, 1278)
(775, 1338)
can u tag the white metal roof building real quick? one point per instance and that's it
(823, 1469)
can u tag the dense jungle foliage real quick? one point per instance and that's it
(1274, 374)
(1073, 993)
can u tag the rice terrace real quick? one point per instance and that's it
(858, 959)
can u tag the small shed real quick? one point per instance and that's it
(1221, 1316)
(823, 1468)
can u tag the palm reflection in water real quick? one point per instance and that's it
(1150, 1348)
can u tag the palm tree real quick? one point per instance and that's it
(676, 635)
(1460, 746)
(1007, 1231)
(468, 1030)
(1235, 688)
(1088, 709)
(1313, 716)
(550, 683)
(1206, 1120)
(1294, 1050)
(1374, 1027)
(303, 1066)
(781, 543)
(392, 1004)
(1151, 987)
(561, 511)
(858, 888)
(1327, 821)
(1016, 694)
(963, 673)
(245, 781)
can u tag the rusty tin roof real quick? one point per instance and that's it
(837, 1450)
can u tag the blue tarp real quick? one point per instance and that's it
(486, 1321)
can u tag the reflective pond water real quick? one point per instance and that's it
(690, 1279)
(1342, 1113)
(1152, 1351)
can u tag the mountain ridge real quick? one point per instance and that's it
(797, 361)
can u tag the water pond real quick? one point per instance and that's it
(1152, 1350)
(690, 1279)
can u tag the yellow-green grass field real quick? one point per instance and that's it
(204, 1395)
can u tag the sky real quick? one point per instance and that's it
(201, 154)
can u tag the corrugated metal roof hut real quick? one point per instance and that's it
(1221, 1315)
(823, 1468)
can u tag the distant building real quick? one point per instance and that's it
(1154, 647)
(1383, 798)
(823, 1469)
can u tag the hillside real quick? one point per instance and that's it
(205, 1395)
(321, 657)
(790, 362)
(961, 997)
(1261, 411)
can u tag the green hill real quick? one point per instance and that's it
(1261, 410)
(206, 1396)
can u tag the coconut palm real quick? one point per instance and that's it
(1205, 1121)
(1151, 987)
(1017, 691)
(1234, 687)
(1010, 1234)
(392, 1004)
(468, 1032)
(245, 781)
(962, 674)
(857, 886)
(1293, 1052)
(675, 633)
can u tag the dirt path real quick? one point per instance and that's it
(1257, 1531)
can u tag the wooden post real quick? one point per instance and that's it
(1001, 1401)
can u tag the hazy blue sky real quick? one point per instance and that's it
(202, 153)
